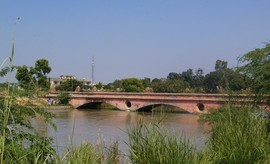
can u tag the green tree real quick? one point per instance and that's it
(70, 85)
(24, 77)
(146, 82)
(63, 98)
(99, 85)
(213, 82)
(132, 85)
(169, 86)
(34, 76)
(40, 71)
(188, 77)
(198, 80)
(220, 64)
(173, 76)
(256, 65)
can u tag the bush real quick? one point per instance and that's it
(63, 98)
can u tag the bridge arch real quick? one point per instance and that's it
(162, 107)
(138, 104)
(96, 105)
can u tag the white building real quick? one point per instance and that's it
(62, 78)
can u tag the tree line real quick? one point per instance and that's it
(220, 80)
(252, 75)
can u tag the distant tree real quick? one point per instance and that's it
(132, 85)
(25, 77)
(188, 77)
(220, 64)
(99, 85)
(155, 80)
(146, 82)
(174, 76)
(108, 87)
(34, 76)
(169, 86)
(70, 85)
(213, 82)
(198, 80)
(40, 71)
(198, 77)
(116, 84)
(256, 65)
(224, 79)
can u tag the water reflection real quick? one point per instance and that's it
(75, 126)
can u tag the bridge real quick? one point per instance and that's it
(190, 102)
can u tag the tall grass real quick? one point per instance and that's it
(239, 135)
(19, 141)
(92, 153)
(154, 144)
(5, 112)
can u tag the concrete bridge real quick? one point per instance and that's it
(190, 102)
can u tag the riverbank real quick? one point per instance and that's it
(57, 107)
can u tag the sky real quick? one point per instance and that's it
(131, 38)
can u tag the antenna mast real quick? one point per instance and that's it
(93, 69)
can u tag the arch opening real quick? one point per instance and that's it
(128, 103)
(97, 106)
(162, 108)
(201, 106)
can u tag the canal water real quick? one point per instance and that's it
(87, 125)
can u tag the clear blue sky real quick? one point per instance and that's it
(132, 38)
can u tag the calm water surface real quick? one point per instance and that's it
(76, 126)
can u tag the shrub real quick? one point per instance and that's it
(63, 98)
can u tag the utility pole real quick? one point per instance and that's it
(93, 69)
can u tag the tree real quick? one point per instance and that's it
(220, 64)
(213, 82)
(132, 85)
(169, 86)
(188, 77)
(256, 65)
(40, 70)
(146, 82)
(70, 85)
(173, 76)
(99, 85)
(25, 78)
(224, 79)
(34, 75)
(198, 77)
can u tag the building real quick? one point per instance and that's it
(62, 78)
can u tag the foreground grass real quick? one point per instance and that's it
(154, 144)
(239, 135)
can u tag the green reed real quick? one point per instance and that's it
(92, 153)
(154, 144)
(239, 135)
(19, 141)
